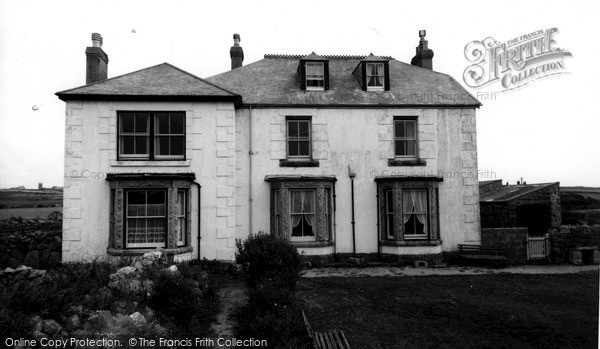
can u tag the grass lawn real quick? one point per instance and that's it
(487, 311)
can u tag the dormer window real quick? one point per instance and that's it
(315, 76)
(373, 74)
(313, 73)
(375, 77)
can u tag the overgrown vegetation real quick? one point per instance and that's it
(176, 303)
(271, 269)
(578, 209)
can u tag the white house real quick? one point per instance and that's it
(339, 154)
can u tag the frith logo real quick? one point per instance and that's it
(514, 63)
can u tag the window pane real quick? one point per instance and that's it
(304, 148)
(156, 197)
(141, 123)
(141, 145)
(162, 123)
(293, 148)
(389, 201)
(401, 148)
(127, 145)
(400, 131)
(155, 230)
(176, 124)
(162, 145)
(293, 128)
(303, 129)
(314, 83)
(136, 197)
(177, 145)
(410, 129)
(180, 204)
(410, 148)
(127, 121)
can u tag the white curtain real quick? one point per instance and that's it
(375, 73)
(415, 201)
(302, 202)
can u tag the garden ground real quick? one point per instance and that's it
(502, 310)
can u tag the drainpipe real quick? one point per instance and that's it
(250, 153)
(378, 224)
(352, 175)
(199, 236)
(334, 223)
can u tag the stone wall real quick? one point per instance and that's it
(34, 244)
(539, 211)
(570, 237)
(514, 241)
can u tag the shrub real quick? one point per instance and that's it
(273, 316)
(265, 257)
(271, 268)
(181, 306)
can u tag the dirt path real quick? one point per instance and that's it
(409, 271)
(232, 297)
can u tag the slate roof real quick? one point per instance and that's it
(511, 192)
(160, 82)
(273, 81)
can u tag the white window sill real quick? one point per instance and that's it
(146, 163)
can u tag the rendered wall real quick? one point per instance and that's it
(90, 154)
(362, 140)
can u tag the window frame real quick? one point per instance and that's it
(414, 140)
(314, 213)
(322, 77)
(152, 137)
(368, 74)
(165, 217)
(397, 187)
(425, 234)
(182, 238)
(324, 208)
(298, 139)
(171, 184)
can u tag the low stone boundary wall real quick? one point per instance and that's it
(569, 237)
(34, 244)
(514, 240)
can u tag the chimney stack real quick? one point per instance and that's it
(96, 68)
(424, 55)
(236, 52)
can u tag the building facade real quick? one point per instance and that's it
(338, 154)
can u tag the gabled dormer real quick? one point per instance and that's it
(313, 73)
(373, 73)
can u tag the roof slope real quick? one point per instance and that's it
(273, 81)
(163, 80)
(511, 192)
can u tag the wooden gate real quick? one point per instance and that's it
(538, 247)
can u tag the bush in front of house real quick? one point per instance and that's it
(185, 306)
(265, 257)
(271, 267)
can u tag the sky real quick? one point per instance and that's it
(546, 131)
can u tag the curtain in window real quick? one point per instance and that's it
(376, 74)
(415, 201)
(302, 202)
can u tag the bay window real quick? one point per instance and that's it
(408, 209)
(302, 209)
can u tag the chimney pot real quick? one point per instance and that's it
(236, 53)
(96, 40)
